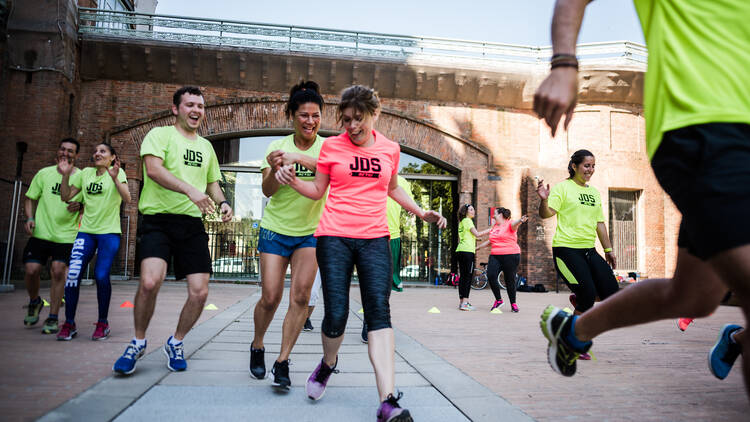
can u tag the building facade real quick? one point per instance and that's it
(463, 120)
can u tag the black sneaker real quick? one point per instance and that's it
(364, 332)
(32, 312)
(308, 325)
(280, 373)
(555, 324)
(258, 362)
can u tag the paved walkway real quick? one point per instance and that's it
(218, 384)
(451, 365)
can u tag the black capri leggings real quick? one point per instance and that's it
(466, 270)
(337, 257)
(586, 273)
(508, 264)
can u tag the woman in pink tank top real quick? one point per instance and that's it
(360, 166)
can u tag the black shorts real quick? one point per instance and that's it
(180, 236)
(40, 250)
(705, 169)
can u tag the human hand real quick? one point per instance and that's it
(611, 259)
(29, 226)
(202, 200)
(524, 218)
(275, 159)
(114, 170)
(74, 207)
(65, 165)
(431, 216)
(541, 190)
(557, 95)
(226, 212)
(285, 175)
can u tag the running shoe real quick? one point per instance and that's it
(280, 373)
(724, 353)
(466, 306)
(308, 325)
(683, 323)
(67, 332)
(573, 301)
(175, 356)
(556, 324)
(497, 304)
(101, 331)
(50, 326)
(32, 312)
(258, 362)
(316, 383)
(363, 336)
(390, 411)
(125, 365)
(514, 307)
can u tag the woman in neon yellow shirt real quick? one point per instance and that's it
(580, 220)
(467, 245)
(103, 188)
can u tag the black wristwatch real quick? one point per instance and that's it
(225, 202)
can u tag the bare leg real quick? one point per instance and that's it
(695, 290)
(734, 267)
(304, 266)
(272, 272)
(381, 349)
(58, 272)
(153, 271)
(331, 348)
(191, 311)
(32, 271)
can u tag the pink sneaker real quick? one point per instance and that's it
(101, 332)
(497, 304)
(67, 332)
(316, 383)
(514, 307)
(683, 323)
(573, 301)
(390, 411)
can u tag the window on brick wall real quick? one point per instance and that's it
(623, 227)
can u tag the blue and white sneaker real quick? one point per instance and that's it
(125, 365)
(724, 353)
(175, 356)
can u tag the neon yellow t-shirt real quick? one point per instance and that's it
(698, 59)
(192, 161)
(101, 200)
(579, 209)
(288, 212)
(53, 221)
(467, 242)
(393, 210)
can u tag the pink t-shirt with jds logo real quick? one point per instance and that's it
(359, 178)
(504, 240)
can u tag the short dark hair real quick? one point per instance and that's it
(71, 141)
(577, 158)
(504, 211)
(302, 93)
(463, 211)
(177, 97)
(361, 98)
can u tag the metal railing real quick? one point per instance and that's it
(311, 40)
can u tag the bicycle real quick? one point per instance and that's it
(480, 281)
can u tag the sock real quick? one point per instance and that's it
(36, 301)
(52, 316)
(104, 321)
(572, 340)
(70, 321)
(173, 341)
(139, 342)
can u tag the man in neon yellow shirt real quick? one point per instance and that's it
(697, 109)
(393, 213)
(180, 183)
(53, 225)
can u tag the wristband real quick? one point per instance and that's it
(607, 250)
(225, 202)
(30, 219)
(564, 64)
